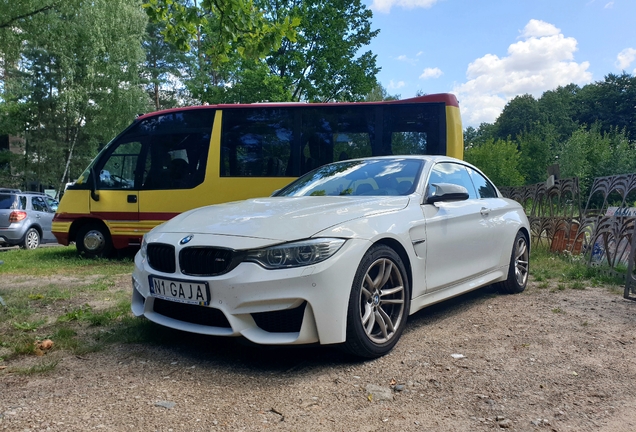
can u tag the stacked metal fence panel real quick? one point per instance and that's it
(602, 231)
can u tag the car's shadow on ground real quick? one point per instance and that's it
(239, 354)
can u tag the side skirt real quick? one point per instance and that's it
(459, 289)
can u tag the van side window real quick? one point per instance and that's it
(414, 129)
(335, 134)
(257, 142)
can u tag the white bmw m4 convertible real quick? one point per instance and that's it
(343, 255)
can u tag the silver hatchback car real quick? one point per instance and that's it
(25, 218)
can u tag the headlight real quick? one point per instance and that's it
(144, 247)
(295, 254)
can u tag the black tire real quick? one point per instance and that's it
(31, 239)
(518, 268)
(93, 241)
(378, 305)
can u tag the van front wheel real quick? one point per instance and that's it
(93, 241)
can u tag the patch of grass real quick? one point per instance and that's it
(561, 286)
(24, 345)
(557, 311)
(59, 260)
(28, 326)
(544, 285)
(43, 367)
(577, 285)
(77, 314)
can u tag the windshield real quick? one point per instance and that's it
(392, 177)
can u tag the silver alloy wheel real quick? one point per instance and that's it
(521, 261)
(94, 241)
(32, 239)
(382, 300)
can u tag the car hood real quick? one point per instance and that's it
(280, 218)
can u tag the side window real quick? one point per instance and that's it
(168, 151)
(257, 142)
(414, 129)
(53, 204)
(38, 204)
(448, 172)
(485, 189)
(335, 134)
(119, 170)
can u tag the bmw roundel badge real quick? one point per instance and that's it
(186, 239)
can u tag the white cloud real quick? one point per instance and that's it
(542, 61)
(431, 73)
(609, 5)
(406, 59)
(385, 6)
(625, 58)
(538, 28)
(395, 85)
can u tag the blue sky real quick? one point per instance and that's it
(489, 51)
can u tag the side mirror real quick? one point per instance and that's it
(438, 192)
(93, 184)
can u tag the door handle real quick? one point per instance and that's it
(485, 211)
(132, 199)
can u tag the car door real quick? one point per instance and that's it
(459, 237)
(43, 216)
(117, 188)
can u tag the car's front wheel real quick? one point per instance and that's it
(31, 239)
(379, 303)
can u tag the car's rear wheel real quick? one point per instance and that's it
(31, 239)
(93, 240)
(519, 266)
(379, 303)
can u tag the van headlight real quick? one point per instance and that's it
(296, 254)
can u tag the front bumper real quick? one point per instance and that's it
(288, 306)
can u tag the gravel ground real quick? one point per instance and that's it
(542, 360)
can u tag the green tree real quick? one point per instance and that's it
(476, 137)
(165, 69)
(232, 26)
(379, 93)
(537, 152)
(499, 160)
(76, 84)
(324, 62)
(519, 115)
(590, 153)
(609, 104)
(558, 108)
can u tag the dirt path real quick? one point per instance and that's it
(542, 360)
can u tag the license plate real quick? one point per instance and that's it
(180, 291)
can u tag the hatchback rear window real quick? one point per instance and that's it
(12, 202)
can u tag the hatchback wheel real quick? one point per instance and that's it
(31, 239)
(379, 303)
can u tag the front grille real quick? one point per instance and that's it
(207, 261)
(194, 314)
(161, 257)
(284, 321)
